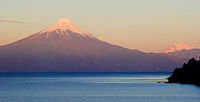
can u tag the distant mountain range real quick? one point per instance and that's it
(65, 47)
(186, 54)
(177, 47)
(182, 51)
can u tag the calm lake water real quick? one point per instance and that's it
(93, 87)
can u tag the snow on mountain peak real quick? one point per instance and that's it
(65, 24)
(177, 47)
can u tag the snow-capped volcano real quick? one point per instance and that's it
(65, 47)
(63, 25)
(177, 47)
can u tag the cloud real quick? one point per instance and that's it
(11, 21)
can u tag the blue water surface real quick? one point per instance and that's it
(94, 87)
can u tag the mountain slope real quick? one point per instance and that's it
(65, 47)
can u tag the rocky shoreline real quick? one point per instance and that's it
(189, 73)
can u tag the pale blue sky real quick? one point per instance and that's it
(147, 25)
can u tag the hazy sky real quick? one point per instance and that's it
(147, 25)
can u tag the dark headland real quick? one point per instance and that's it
(188, 74)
